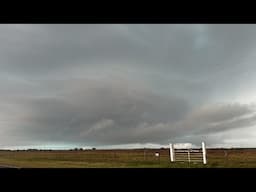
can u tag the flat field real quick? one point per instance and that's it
(134, 158)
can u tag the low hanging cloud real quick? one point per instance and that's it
(99, 111)
(220, 117)
(117, 111)
(108, 85)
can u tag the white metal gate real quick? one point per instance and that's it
(188, 155)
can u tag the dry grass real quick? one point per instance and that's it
(238, 158)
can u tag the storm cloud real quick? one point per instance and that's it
(113, 84)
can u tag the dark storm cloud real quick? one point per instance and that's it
(186, 49)
(113, 111)
(58, 47)
(220, 117)
(124, 84)
(99, 111)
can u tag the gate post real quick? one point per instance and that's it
(172, 155)
(204, 153)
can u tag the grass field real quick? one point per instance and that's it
(136, 158)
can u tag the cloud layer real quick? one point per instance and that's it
(112, 85)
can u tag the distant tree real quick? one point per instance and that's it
(32, 150)
(93, 148)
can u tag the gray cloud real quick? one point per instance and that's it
(116, 111)
(124, 84)
(219, 117)
(106, 110)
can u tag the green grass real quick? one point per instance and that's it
(123, 159)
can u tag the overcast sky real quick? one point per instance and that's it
(127, 85)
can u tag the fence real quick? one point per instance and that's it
(188, 155)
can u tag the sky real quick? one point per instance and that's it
(127, 85)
